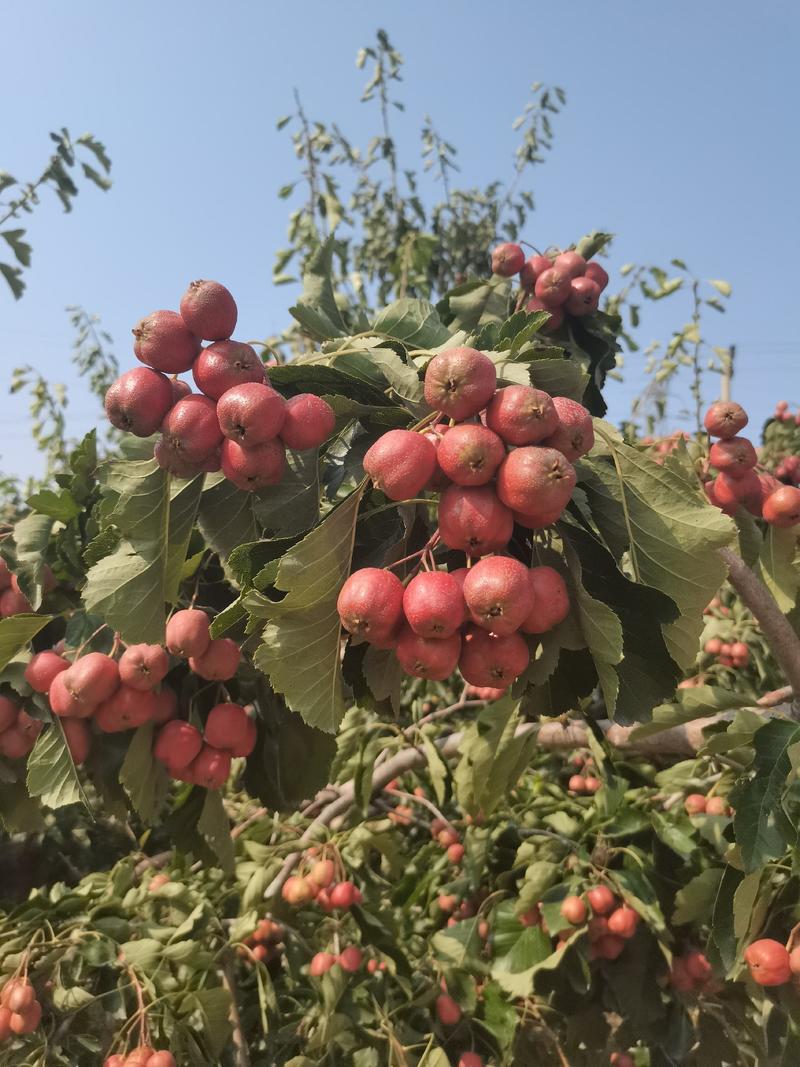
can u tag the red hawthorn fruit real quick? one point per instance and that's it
(321, 963)
(230, 728)
(323, 873)
(574, 435)
(15, 743)
(63, 703)
(169, 456)
(25, 1022)
(597, 927)
(219, 662)
(781, 508)
(79, 739)
(211, 767)
(552, 287)
(179, 388)
(14, 602)
(455, 852)
(8, 713)
(601, 900)
(459, 382)
(191, 428)
(344, 895)
(592, 785)
(573, 910)
(470, 1059)
(488, 660)
(40, 672)
(521, 415)
(733, 456)
(370, 603)
(739, 650)
(713, 646)
(507, 260)
(139, 1057)
(5, 575)
(679, 977)
(92, 678)
(610, 947)
(695, 804)
(438, 480)
(308, 422)
(433, 603)
(162, 1058)
(473, 520)
(768, 962)
(29, 726)
(698, 966)
(114, 1061)
(716, 806)
(251, 413)
(470, 454)
(447, 1011)
(540, 520)
(143, 666)
(486, 692)
(498, 593)
(532, 268)
(350, 959)
(138, 401)
(570, 263)
(177, 744)
(400, 463)
(577, 784)
(556, 313)
(534, 479)
(18, 995)
(550, 601)
(623, 922)
(209, 310)
(447, 836)
(447, 902)
(725, 419)
(166, 706)
(425, 657)
(251, 469)
(225, 364)
(621, 1059)
(794, 961)
(188, 633)
(745, 489)
(297, 890)
(597, 275)
(127, 709)
(531, 917)
(584, 297)
(157, 881)
(163, 342)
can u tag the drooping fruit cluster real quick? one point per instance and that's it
(564, 283)
(511, 462)
(728, 653)
(18, 730)
(237, 423)
(142, 1056)
(697, 804)
(737, 481)
(692, 973)
(205, 758)
(608, 922)
(265, 944)
(12, 600)
(349, 959)
(781, 451)
(318, 884)
(20, 1010)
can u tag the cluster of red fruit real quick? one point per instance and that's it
(583, 783)
(12, 600)
(20, 1010)
(205, 758)
(265, 944)
(783, 414)
(18, 730)
(728, 653)
(237, 423)
(692, 973)
(737, 481)
(320, 886)
(697, 804)
(770, 963)
(349, 959)
(564, 283)
(142, 1056)
(788, 471)
(512, 463)
(609, 922)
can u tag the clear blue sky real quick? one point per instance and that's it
(680, 136)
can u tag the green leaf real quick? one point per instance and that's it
(475, 303)
(155, 515)
(492, 758)
(51, 772)
(144, 778)
(215, 826)
(416, 322)
(779, 566)
(226, 516)
(15, 632)
(762, 826)
(31, 537)
(672, 535)
(459, 945)
(60, 505)
(383, 675)
(301, 641)
(19, 813)
(316, 310)
(293, 506)
(694, 902)
(721, 286)
(143, 955)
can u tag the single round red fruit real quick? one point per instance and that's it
(211, 767)
(188, 633)
(697, 966)
(584, 297)
(350, 959)
(8, 712)
(230, 728)
(225, 364)
(219, 662)
(623, 922)
(556, 313)
(344, 895)
(781, 508)
(143, 666)
(470, 454)
(15, 743)
(695, 804)
(169, 455)
(498, 593)
(138, 401)
(251, 413)
(321, 963)
(163, 341)
(21, 995)
(251, 469)
(570, 263)
(177, 744)
(40, 672)
(308, 421)
(716, 806)
(550, 601)
(488, 660)
(433, 604)
(725, 419)
(400, 463)
(610, 947)
(621, 1059)
(768, 961)
(532, 268)
(470, 1059)
(521, 415)
(297, 890)
(92, 678)
(507, 260)
(552, 287)
(425, 657)
(78, 738)
(733, 456)
(127, 709)
(540, 520)
(601, 900)
(577, 784)
(473, 520)
(162, 1058)
(455, 852)
(25, 1022)
(323, 873)
(459, 382)
(191, 428)
(209, 310)
(597, 275)
(534, 479)
(447, 1011)
(574, 435)
(573, 910)
(744, 488)
(370, 603)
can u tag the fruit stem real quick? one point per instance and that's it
(242, 1054)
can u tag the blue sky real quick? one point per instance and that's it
(680, 136)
